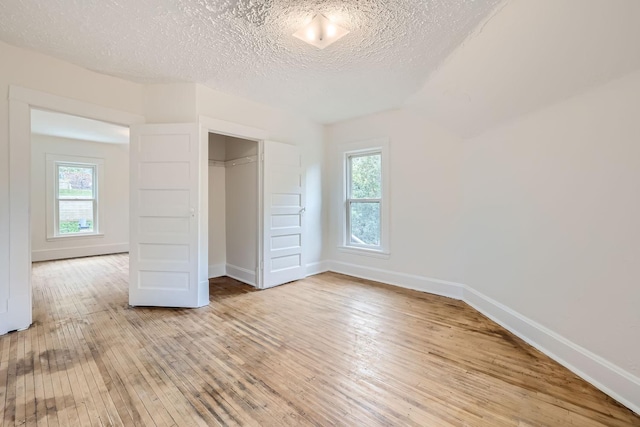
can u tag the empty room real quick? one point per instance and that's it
(310, 212)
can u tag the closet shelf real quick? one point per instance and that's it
(234, 162)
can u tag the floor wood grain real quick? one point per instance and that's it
(328, 350)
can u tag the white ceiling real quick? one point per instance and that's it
(246, 47)
(74, 127)
(529, 55)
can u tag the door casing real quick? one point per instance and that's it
(236, 130)
(16, 312)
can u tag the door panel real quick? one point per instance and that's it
(283, 214)
(165, 205)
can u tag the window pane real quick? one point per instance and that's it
(365, 223)
(75, 216)
(366, 175)
(75, 182)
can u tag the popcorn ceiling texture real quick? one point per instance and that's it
(246, 48)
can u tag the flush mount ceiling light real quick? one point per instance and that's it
(320, 32)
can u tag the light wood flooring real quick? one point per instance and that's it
(328, 350)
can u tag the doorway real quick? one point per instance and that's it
(18, 299)
(79, 187)
(233, 208)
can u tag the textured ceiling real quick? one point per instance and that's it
(246, 48)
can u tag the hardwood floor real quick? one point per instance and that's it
(328, 350)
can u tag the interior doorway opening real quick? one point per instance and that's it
(79, 199)
(79, 187)
(18, 297)
(233, 195)
(79, 193)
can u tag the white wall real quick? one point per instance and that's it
(217, 147)
(535, 223)
(241, 210)
(114, 224)
(237, 148)
(550, 219)
(170, 103)
(217, 221)
(217, 207)
(242, 218)
(424, 194)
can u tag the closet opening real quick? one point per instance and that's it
(233, 208)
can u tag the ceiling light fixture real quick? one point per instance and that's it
(320, 32)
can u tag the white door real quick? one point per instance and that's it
(165, 216)
(284, 206)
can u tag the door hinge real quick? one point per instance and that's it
(262, 157)
(261, 265)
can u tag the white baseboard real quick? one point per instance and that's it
(318, 267)
(609, 378)
(409, 281)
(241, 274)
(77, 252)
(217, 270)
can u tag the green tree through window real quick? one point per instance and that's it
(364, 199)
(76, 200)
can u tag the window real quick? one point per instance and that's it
(74, 186)
(364, 199)
(76, 200)
(366, 210)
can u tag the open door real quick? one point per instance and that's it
(283, 208)
(165, 217)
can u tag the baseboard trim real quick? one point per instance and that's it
(241, 274)
(409, 281)
(621, 385)
(318, 267)
(604, 375)
(217, 270)
(78, 252)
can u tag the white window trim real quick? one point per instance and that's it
(378, 145)
(52, 160)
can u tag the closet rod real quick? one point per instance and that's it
(234, 162)
(240, 161)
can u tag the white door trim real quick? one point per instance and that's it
(238, 130)
(233, 129)
(17, 314)
(37, 99)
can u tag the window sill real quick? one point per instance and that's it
(374, 253)
(75, 236)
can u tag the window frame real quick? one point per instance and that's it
(54, 162)
(358, 149)
(350, 200)
(93, 199)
